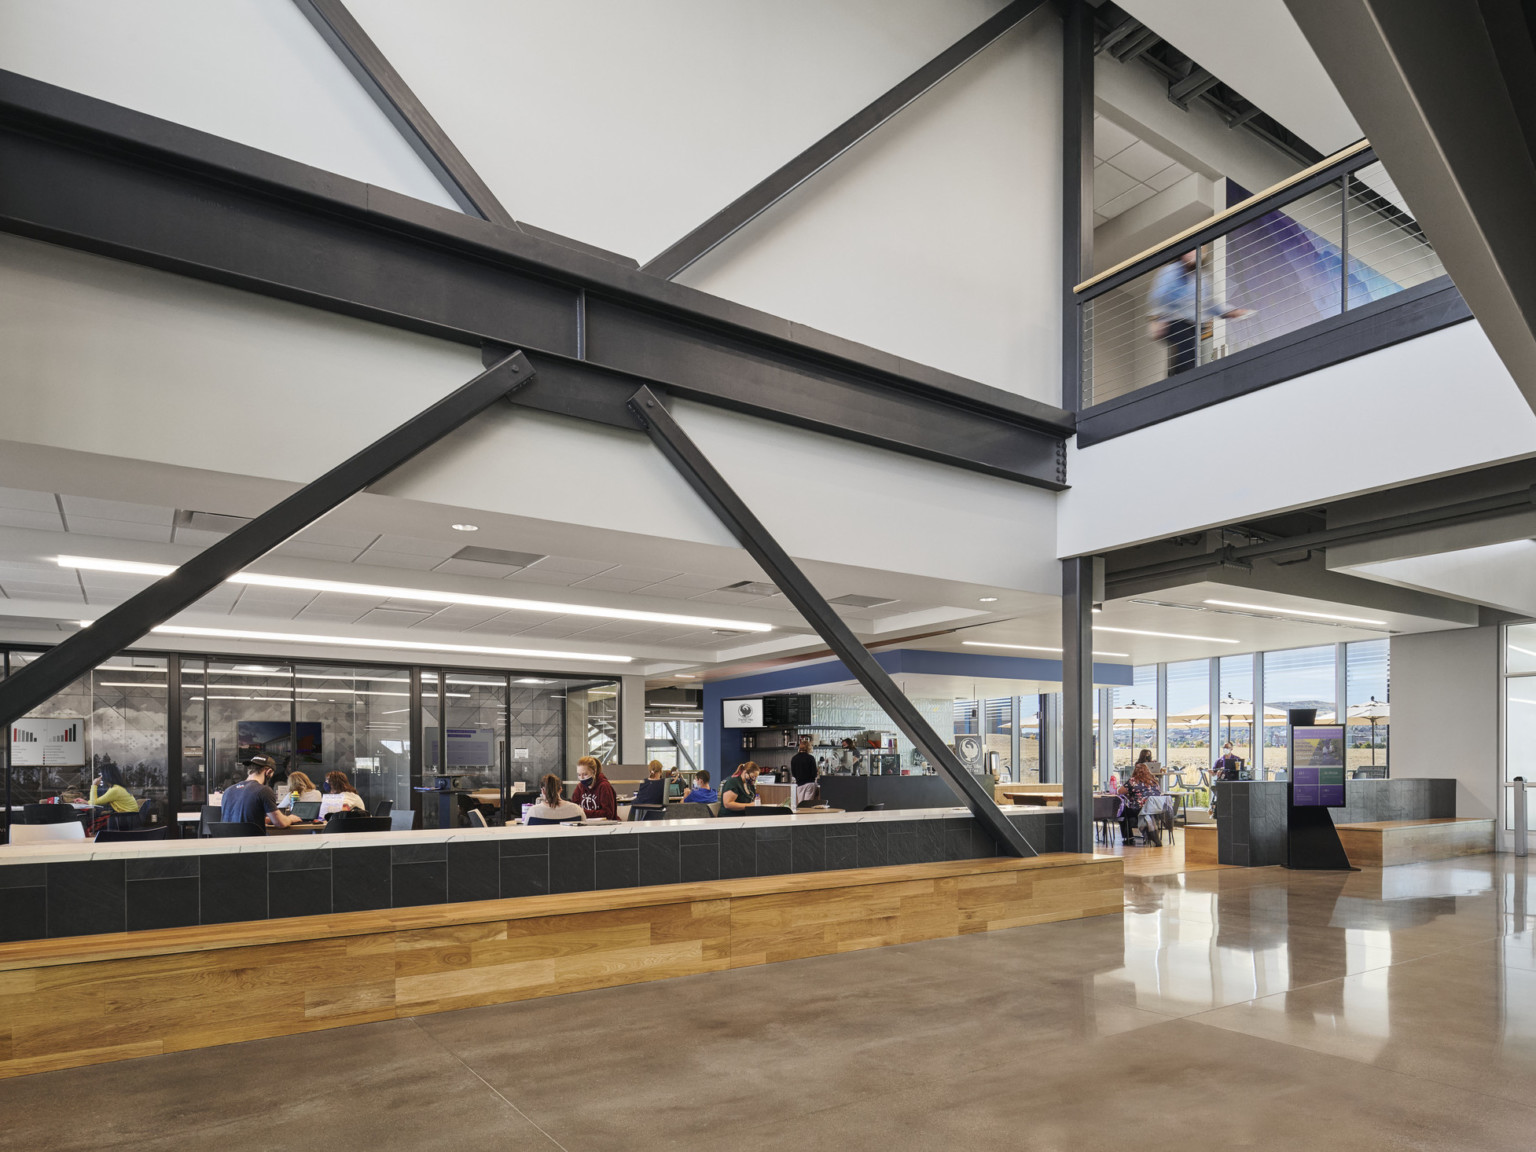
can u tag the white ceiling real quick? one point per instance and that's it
(1127, 170)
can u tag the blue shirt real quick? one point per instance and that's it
(702, 796)
(247, 803)
(1173, 295)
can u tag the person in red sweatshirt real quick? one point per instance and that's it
(593, 792)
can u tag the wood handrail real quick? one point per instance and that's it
(1273, 190)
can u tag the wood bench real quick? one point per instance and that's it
(80, 1000)
(1384, 843)
(1199, 844)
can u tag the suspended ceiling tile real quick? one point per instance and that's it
(640, 574)
(389, 618)
(22, 590)
(538, 574)
(573, 564)
(696, 580)
(343, 537)
(120, 529)
(25, 499)
(1108, 183)
(1128, 200)
(416, 546)
(115, 510)
(29, 518)
(476, 568)
(1140, 161)
(198, 537)
(1109, 139)
(609, 584)
(384, 558)
(309, 550)
(458, 617)
(668, 591)
(715, 596)
(1168, 177)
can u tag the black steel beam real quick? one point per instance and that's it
(89, 175)
(679, 449)
(1077, 703)
(133, 619)
(393, 95)
(769, 191)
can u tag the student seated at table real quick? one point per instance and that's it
(652, 790)
(301, 790)
(552, 807)
(1136, 792)
(702, 793)
(252, 800)
(740, 790)
(339, 796)
(593, 792)
(116, 797)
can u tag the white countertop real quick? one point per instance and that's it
(67, 851)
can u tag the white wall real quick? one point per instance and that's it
(937, 238)
(632, 720)
(1445, 713)
(1429, 406)
(103, 357)
(253, 71)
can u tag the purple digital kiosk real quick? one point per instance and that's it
(1316, 785)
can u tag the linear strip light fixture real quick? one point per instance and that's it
(420, 595)
(1296, 612)
(1032, 648)
(1166, 635)
(288, 691)
(369, 642)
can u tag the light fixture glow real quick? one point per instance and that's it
(1032, 648)
(419, 595)
(466, 527)
(370, 642)
(1165, 635)
(986, 599)
(1296, 612)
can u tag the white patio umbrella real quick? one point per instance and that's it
(1227, 708)
(1132, 714)
(1373, 710)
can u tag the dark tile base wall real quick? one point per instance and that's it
(79, 899)
(1251, 820)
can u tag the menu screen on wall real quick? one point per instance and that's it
(741, 713)
(1317, 766)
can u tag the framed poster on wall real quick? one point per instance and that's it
(741, 713)
(52, 741)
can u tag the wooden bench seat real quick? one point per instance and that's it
(1199, 843)
(90, 999)
(1384, 843)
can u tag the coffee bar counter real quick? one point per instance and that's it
(72, 889)
(855, 793)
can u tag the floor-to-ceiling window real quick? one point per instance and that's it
(1235, 705)
(1295, 678)
(1368, 691)
(1519, 716)
(1189, 716)
(1135, 717)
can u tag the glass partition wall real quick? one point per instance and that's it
(485, 728)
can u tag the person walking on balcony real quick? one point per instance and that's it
(1171, 306)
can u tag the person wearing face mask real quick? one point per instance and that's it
(593, 792)
(740, 790)
(252, 801)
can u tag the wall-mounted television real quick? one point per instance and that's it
(741, 713)
(1317, 766)
(275, 739)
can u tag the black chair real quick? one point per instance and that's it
(647, 812)
(874, 807)
(219, 829)
(48, 814)
(115, 835)
(360, 824)
(126, 821)
(1106, 810)
(385, 808)
(535, 820)
(760, 810)
(212, 813)
(690, 812)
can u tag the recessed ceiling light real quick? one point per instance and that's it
(387, 592)
(1297, 612)
(987, 599)
(684, 676)
(466, 527)
(1165, 635)
(1032, 648)
(370, 642)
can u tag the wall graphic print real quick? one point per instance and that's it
(48, 740)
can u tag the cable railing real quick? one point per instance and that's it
(1333, 238)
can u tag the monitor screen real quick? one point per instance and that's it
(527, 808)
(1317, 766)
(306, 809)
(741, 713)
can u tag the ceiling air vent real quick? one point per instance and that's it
(855, 601)
(209, 521)
(1171, 604)
(752, 588)
(499, 556)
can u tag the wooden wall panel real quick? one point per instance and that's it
(140, 994)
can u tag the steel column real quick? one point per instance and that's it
(1162, 715)
(1077, 703)
(174, 756)
(1256, 759)
(679, 449)
(418, 748)
(141, 613)
(1076, 192)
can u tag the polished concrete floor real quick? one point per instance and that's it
(1231, 1008)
